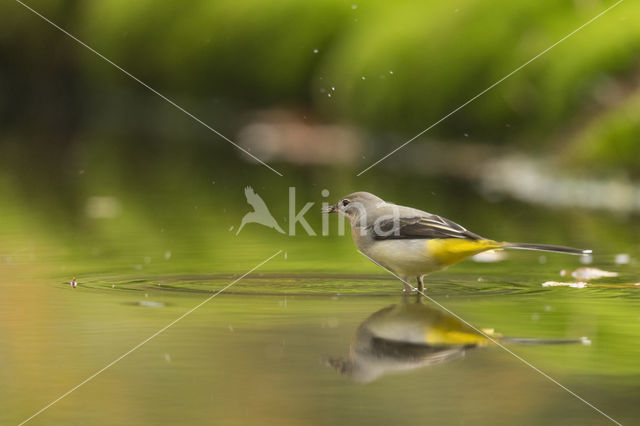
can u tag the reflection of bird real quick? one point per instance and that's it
(260, 213)
(413, 243)
(408, 336)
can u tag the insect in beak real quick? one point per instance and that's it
(329, 209)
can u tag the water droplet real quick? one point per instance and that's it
(586, 259)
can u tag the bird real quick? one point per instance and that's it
(413, 243)
(260, 213)
(404, 337)
(407, 336)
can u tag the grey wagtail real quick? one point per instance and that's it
(413, 243)
(408, 336)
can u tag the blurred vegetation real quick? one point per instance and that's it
(74, 127)
(611, 140)
(392, 69)
(76, 131)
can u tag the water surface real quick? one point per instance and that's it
(265, 350)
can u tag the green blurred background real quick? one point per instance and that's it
(103, 180)
(320, 90)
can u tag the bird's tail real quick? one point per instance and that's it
(529, 341)
(546, 247)
(533, 341)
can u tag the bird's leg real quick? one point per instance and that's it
(420, 283)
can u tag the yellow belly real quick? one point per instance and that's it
(448, 251)
(410, 258)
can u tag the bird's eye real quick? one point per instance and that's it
(345, 202)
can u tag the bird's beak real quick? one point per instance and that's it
(329, 209)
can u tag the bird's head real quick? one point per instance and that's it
(355, 205)
(354, 370)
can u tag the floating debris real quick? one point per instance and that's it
(587, 274)
(622, 259)
(490, 256)
(150, 304)
(578, 284)
(73, 283)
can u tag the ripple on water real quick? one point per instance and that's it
(458, 285)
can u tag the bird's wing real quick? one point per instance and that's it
(423, 226)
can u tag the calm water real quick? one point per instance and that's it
(318, 335)
(319, 348)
